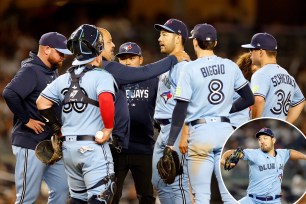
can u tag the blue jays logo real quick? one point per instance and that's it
(280, 176)
(168, 21)
(166, 96)
(128, 47)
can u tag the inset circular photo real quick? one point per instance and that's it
(264, 161)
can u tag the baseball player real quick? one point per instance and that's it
(137, 158)
(126, 75)
(266, 166)
(173, 35)
(204, 95)
(276, 92)
(87, 94)
(36, 72)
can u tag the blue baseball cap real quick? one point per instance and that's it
(263, 41)
(129, 48)
(174, 26)
(265, 131)
(56, 41)
(204, 32)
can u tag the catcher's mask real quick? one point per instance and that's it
(86, 43)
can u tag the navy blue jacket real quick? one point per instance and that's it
(128, 75)
(21, 95)
(141, 98)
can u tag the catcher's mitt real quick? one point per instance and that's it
(169, 165)
(234, 158)
(49, 151)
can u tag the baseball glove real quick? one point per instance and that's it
(49, 151)
(233, 158)
(169, 165)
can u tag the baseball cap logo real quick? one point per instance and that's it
(128, 47)
(168, 21)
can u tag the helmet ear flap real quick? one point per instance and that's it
(99, 45)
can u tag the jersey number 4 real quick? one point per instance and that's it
(216, 95)
(283, 103)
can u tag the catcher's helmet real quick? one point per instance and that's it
(86, 43)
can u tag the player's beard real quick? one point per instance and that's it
(55, 64)
(266, 148)
(163, 49)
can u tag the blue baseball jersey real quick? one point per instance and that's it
(265, 171)
(79, 118)
(278, 88)
(165, 102)
(208, 84)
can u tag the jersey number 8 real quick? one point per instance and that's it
(216, 95)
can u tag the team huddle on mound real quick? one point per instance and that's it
(81, 132)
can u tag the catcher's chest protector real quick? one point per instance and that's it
(75, 93)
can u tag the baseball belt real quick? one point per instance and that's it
(209, 120)
(267, 198)
(163, 121)
(78, 138)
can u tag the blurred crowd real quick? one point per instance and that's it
(20, 33)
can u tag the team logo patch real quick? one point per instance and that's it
(255, 88)
(166, 96)
(127, 48)
(169, 22)
(178, 91)
(280, 176)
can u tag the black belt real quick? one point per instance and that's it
(79, 138)
(268, 198)
(203, 120)
(163, 121)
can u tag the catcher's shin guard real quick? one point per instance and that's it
(106, 197)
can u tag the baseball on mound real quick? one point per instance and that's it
(99, 135)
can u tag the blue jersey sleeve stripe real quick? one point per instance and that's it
(182, 99)
(258, 94)
(297, 103)
(240, 87)
(51, 99)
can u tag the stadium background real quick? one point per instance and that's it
(23, 22)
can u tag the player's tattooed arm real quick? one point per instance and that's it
(296, 155)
